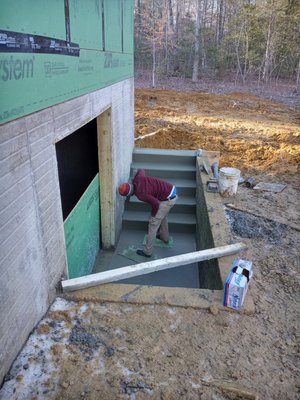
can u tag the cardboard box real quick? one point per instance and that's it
(237, 283)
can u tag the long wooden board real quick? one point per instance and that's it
(150, 266)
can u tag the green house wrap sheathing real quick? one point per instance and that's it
(53, 51)
(82, 232)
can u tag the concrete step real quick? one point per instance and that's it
(182, 200)
(176, 157)
(173, 227)
(164, 165)
(183, 183)
(165, 170)
(175, 218)
(133, 220)
(183, 205)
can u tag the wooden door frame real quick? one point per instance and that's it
(105, 157)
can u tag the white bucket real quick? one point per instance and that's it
(228, 181)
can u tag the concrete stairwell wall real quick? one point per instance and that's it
(209, 272)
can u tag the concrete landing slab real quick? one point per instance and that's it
(211, 300)
(185, 276)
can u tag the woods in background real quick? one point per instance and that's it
(244, 39)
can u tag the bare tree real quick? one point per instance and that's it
(220, 22)
(197, 43)
(153, 47)
(203, 21)
(298, 76)
(269, 48)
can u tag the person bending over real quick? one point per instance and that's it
(161, 196)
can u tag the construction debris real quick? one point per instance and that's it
(270, 187)
(212, 186)
(233, 207)
(237, 283)
(250, 182)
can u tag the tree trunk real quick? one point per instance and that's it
(237, 51)
(176, 39)
(139, 13)
(203, 47)
(167, 29)
(298, 76)
(269, 50)
(153, 48)
(196, 44)
(220, 22)
(170, 10)
(246, 57)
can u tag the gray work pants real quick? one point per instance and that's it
(159, 224)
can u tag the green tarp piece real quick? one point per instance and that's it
(130, 253)
(160, 243)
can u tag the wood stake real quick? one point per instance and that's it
(149, 267)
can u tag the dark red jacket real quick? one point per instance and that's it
(151, 190)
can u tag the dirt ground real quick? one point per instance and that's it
(120, 351)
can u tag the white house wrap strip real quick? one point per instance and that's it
(150, 266)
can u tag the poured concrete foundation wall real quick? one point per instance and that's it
(209, 273)
(33, 254)
(213, 230)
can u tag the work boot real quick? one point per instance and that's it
(141, 253)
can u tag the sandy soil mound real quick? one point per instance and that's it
(252, 134)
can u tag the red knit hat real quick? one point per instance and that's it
(125, 189)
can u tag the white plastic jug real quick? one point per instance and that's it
(228, 181)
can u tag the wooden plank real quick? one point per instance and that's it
(150, 266)
(107, 182)
(230, 388)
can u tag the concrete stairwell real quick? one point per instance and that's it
(178, 168)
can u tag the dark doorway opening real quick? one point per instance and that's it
(77, 159)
